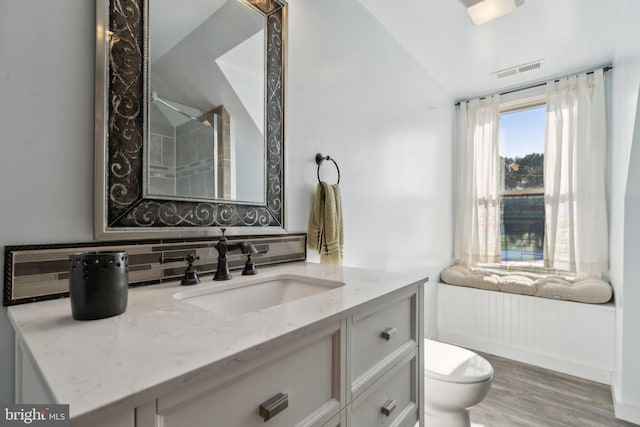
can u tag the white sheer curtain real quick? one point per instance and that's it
(478, 182)
(576, 236)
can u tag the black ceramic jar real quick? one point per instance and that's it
(98, 284)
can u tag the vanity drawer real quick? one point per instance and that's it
(338, 420)
(298, 388)
(390, 401)
(377, 335)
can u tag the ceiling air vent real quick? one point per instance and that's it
(506, 73)
(518, 69)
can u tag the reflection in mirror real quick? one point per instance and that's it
(214, 70)
(206, 128)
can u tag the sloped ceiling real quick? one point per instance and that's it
(170, 24)
(570, 35)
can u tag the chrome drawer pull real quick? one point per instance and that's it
(388, 333)
(270, 408)
(388, 407)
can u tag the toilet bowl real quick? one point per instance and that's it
(455, 379)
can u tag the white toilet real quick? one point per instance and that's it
(455, 379)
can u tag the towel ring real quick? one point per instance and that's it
(320, 158)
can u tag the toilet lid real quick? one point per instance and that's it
(453, 364)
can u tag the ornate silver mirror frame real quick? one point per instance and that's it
(121, 211)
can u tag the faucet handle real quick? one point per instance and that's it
(191, 259)
(249, 268)
(190, 274)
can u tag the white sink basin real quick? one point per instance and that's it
(255, 294)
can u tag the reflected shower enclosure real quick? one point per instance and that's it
(189, 155)
(206, 110)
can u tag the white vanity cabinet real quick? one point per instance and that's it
(385, 381)
(302, 379)
(337, 421)
(362, 370)
(352, 357)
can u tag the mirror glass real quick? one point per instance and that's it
(189, 118)
(206, 106)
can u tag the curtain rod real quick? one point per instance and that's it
(604, 69)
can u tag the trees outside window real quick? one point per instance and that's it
(522, 196)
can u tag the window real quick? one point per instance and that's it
(521, 137)
(530, 178)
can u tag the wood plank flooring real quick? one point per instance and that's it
(528, 396)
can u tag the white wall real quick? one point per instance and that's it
(630, 351)
(624, 215)
(353, 93)
(46, 117)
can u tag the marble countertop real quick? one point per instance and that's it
(160, 342)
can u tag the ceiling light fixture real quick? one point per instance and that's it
(482, 11)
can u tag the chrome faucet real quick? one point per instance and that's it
(223, 246)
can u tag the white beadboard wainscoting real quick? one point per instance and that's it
(570, 337)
